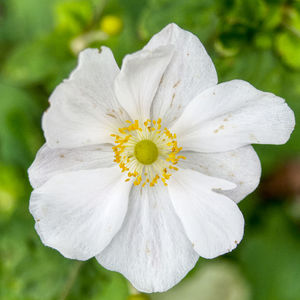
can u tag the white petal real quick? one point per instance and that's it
(213, 222)
(190, 72)
(241, 166)
(139, 79)
(78, 213)
(50, 162)
(151, 250)
(83, 109)
(231, 115)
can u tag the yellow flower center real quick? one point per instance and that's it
(146, 152)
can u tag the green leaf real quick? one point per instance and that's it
(94, 282)
(288, 47)
(29, 63)
(116, 289)
(263, 40)
(270, 258)
(249, 13)
(19, 136)
(274, 17)
(25, 20)
(200, 17)
(73, 16)
(293, 19)
(11, 189)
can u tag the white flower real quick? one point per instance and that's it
(112, 182)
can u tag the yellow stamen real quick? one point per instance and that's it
(146, 152)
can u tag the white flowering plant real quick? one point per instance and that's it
(143, 166)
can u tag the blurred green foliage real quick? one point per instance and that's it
(254, 40)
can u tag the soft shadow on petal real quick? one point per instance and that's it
(190, 72)
(50, 162)
(151, 250)
(231, 115)
(139, 79)
(241, 166)
(83, 109)
(78, 213)
(213, 222)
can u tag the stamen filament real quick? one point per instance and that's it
(154, 159)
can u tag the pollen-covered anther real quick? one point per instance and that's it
(146, 152)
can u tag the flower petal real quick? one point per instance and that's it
(78, 213)
(231, 115)
(151, 249)
(213, 222)
(139, 79)
(190, 72)
(83, 109)
(241, 166)
(50, 162)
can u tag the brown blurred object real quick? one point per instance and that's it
(284, 182)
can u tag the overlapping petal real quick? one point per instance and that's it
(240, 166)
(152, 235)
(139, 79)
(190, 72)
(231, 115)
(83, 109)
(78, 213)
(212, 221)
(151, 249)
(50, 162)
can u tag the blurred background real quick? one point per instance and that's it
(254, 40)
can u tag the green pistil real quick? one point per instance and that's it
(146, 152)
